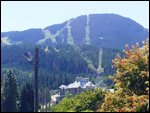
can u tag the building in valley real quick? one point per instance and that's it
(79, 85)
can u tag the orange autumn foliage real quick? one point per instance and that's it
(131, 81)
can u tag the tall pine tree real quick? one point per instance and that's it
(27, 99)
(9, 93)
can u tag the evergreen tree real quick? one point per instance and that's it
(27, 99)
(9, 93)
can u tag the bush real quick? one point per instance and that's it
(85, 101)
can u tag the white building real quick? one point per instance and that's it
(79, 85)
(55, 99)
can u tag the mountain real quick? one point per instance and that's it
(73, 48)
(100, 30)
(30, 36)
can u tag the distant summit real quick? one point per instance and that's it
(101, 30)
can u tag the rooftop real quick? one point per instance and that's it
(79, 82)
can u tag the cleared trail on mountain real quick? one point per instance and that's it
(89, 62)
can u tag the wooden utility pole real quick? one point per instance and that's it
(36, 81)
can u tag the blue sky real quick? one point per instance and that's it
(22, 15)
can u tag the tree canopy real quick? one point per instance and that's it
(131, 81)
